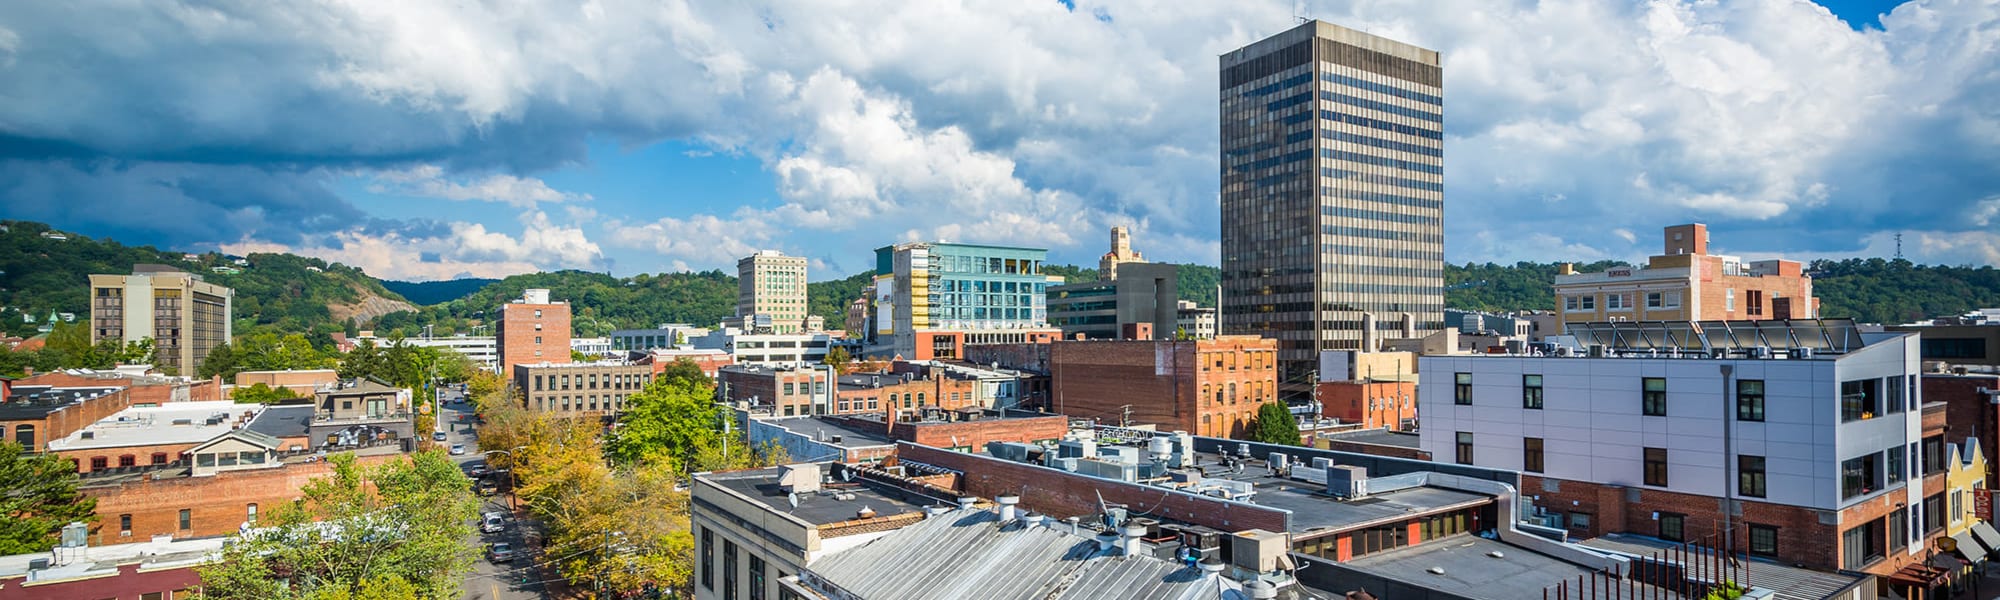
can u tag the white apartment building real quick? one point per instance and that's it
(480, 348)
(767, 349)
(1814, 430)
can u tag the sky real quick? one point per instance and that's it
(424, 140)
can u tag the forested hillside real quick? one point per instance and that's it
(282, 292)
(1874, 290)
(425, 293)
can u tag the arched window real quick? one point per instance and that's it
(1232, 393)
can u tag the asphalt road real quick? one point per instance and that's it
(516, 580)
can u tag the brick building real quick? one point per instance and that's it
(1686, 283)
(1372, 404)
(33, 415)
(145, 388)
(532, 330)
(710, 362)
(301, 382)
(789, 392)
(158, 569)
(1208, 387)
(579, 389)
(150, 436)
(137, 506)
(1823, 438)
(1970, 412)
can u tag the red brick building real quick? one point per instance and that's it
(139, 506)
(1373, 404)
(1970, 412)
(162, 569)
(34, 414)
(1206, 387)
(301, 382)
(710, 362)
(788, 392)
(532, 330)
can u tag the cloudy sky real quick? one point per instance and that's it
(430, 140)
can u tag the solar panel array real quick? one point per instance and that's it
(1835, 336)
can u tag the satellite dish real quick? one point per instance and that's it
(793, 498)
(846, 475)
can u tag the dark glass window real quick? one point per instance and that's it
(1859, 400)
(728, 570)
(1654, 396)
(1763, 540)
(756, 576)
(1461, 392)
(1861, 545)
(1934, 513)
(1750, 476)
(1464, 448)
(1899, 528)
(707, 558)
(125, 523)
(1656, 466)
(1673, 527)
(1531, 455)
(1749, 399)
(187, 519)
(1896, 460)
(1531, 391)
(1860, 475)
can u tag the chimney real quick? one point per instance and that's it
(1566, 269)
(1128, 538)
(1007, 503)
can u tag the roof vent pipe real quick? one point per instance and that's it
(1129, 538)
(1259, 589)
(1106, 540)
(1007, 504)
(965, 502)
(1073, 525)
(1212, 566)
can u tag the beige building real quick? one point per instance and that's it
(1121, 253)
(770, 283)
(1332, 191)
(1686, 283)
(576, 389)
(183, 315)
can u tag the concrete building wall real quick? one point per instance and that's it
(580, 389)
(771, 283)
(183, 315)
(1142, 293)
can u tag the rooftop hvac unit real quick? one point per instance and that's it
(1760, 352)
(38, 564)
(1597, 350)
(1802, 353)
(89, 435)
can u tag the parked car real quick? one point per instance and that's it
(487, 486)
(458, 449)
(500, 552)
(438, 436)
(493, 524)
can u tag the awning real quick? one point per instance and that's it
(1966, 549)
(1987, 537)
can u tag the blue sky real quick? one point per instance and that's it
(432, 140)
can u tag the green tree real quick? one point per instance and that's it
(578, 356)
(837, 358)
(365, 360)
(399, 529)
(672, 418)
(221, 361)
(685, 370)
(258, 393)
(37, 498)
(1274, 425)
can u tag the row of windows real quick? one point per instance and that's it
(1373, 179)
(1381, 88)
(611, 381)
(1859, 398)
(1381, 161)
(1375, 215)
(1588, 302)
(1382, 234)
(1339, 117)
(1380, 106)
(1355, 138)
(756, 564)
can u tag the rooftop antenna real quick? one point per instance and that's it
(1302, 13)
(1899, 245)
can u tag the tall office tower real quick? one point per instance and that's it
(1332, 192)
(183, 315)
(533, 330)
(770, 283)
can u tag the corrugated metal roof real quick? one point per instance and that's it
(968, 554)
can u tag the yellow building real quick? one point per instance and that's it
(1686, 283)
(1967, 474)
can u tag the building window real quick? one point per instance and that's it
(25, 436)
(1531, 391)
(1729, 300)
(1754, 302)
(1763, 540)
(1656, 466)
(1749, 399)
(1579, 520)
(728, 570)
(538, 313)
(1616, 302)
(538, 339)
(708, 558)
(1860, 475)
(187, 519)
(128, 460)
(250, 513)
(1892, 398)
(1859, 400)
(1464, 447)
(756, 577)
(1861, 545)
(99, 463)
(1933, 513)
(1673, 527)
(1934, 455)
(1531, 455)
(1750, 475)
(1654, 396)
(1899, 529)
(125, 524)
(1896, 459)
(1461, 391)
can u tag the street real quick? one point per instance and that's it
(515, 580)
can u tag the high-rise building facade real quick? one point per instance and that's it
(1332, 191)
(932, 298)
(183, 315)
(770, 283)
(533, 330)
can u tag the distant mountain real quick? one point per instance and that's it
(43, 271)
(437, 292)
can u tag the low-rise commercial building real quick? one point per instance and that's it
(34, 415)
(150, 436)
(483, 350)
(162, 568)
(1209, 387)
(580, 389)
(868, 438)
(1141, 303)
(710, 362)
(359, 412)
(787, 392)
(303, 382)
(243, 476)
(1194, 322)
(756, 527)
(1959, 344)
(666, 336)
(768, 349)
(1686, 283)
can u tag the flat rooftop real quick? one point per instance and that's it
(1470, 570)
(36, 401)
(284, 420)
(823, 430)
(170, 423)
(1791, 583)
(1378, 437)
(1314, 511)
(100, 561)
(819, 508)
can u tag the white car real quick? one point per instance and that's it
(493, 523)
(457, 449)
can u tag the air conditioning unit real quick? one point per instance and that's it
(1801, 353)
